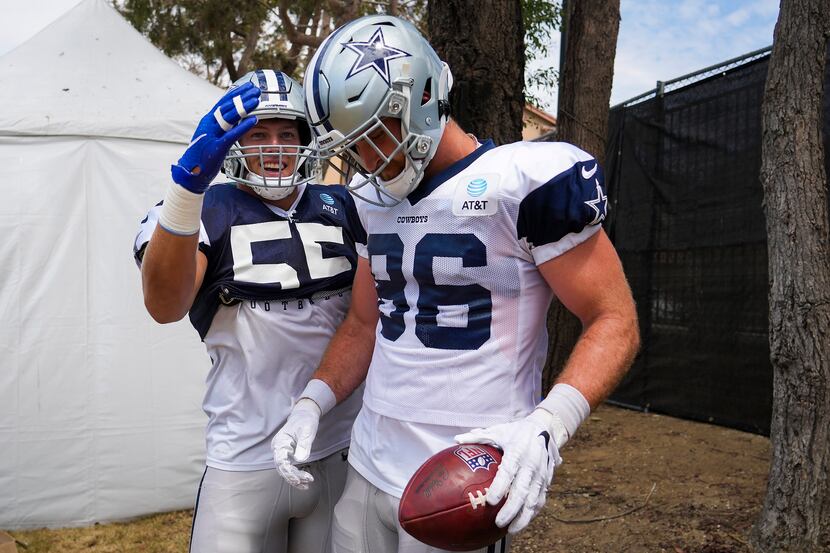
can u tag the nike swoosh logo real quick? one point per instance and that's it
(588, 174)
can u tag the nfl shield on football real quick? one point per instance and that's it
(444, 505)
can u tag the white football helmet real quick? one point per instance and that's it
(373, 68)
(281, 97)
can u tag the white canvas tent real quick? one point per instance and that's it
(100, 414)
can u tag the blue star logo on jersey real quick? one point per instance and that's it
(374, 54)
(599, 205)
(476, 457)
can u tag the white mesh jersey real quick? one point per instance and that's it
(262, 360)
(461, 339)
(266, 335)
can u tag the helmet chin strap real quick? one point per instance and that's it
(275, 194)
(399, 187)
(279, 192)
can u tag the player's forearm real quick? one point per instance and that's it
(346, 361)
(168, 274)
(603, 354)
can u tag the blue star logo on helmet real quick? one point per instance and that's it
(327, 199)
(477, 187)
(374, 54)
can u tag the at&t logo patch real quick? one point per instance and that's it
(328, 202)
(477, 187)
(476, 195)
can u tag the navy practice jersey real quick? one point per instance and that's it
(256, 252)
(274, 292)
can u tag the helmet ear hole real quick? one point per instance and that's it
(427, 88)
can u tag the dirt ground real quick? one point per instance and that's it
(708, 481)
(708, 484)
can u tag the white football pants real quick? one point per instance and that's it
(366, 521)
(258, 512)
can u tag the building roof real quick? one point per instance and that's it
(547, 117)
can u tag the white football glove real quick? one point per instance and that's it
(292, 443)
(526, 469)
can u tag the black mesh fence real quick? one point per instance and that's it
(688, 222)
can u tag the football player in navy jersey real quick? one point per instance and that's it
(466, 245)
(264, 267)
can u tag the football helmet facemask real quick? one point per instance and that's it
(371, 69)
(281, 97)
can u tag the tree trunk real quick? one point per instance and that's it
(483, 43)
(796, 512)
(582, 119)
(585, 79)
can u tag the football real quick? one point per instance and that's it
(444, 504)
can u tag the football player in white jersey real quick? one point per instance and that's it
(264, 267)
(466, 245)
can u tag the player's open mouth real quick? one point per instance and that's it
(277, 170)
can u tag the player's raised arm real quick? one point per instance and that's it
(172, 268)
(342, 369)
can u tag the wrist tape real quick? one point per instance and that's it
(320, 393)
(569, 408)
(181, 212)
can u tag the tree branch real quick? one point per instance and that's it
(344, 11)
(227, 61)
(251, 41)
(291, 32)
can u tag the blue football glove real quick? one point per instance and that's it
(217, 131)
